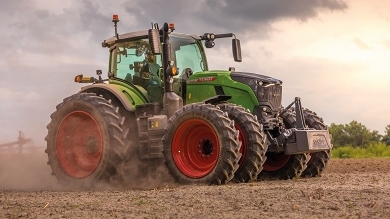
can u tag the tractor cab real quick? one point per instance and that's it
(132, 60)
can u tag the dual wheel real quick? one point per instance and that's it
(202, 144)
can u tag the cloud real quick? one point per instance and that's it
(230, 15)
(386, 43)
(361, 44)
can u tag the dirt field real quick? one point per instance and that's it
(350, 188)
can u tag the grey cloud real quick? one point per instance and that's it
(230, 14)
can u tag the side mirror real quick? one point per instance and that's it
(154, 41)
(236, 48)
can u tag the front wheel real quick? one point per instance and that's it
(281, 166)
(201, 145)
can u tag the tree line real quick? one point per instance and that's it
(356, 134)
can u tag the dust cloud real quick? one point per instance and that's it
(26, 172)
(30, 172)
(146, 174)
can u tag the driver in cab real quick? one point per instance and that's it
(150, 69)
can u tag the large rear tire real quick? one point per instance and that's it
(318, 160)
(252, 139)
(86, 140)
(281, 166)
(201, 145)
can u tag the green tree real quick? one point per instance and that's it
(339, 136)
(375, 136)
(386, 137)
(354, 134)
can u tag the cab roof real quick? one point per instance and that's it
(139, 35)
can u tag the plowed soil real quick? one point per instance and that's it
(349, 188)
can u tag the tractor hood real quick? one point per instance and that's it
(240, 76)
(267, 90)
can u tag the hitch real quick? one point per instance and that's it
(301, 125)
(303, 139)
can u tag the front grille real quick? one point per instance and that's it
(271, 94)
(267, 90)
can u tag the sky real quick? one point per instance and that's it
(334, 54)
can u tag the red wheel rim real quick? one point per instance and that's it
(241, 137)
(195, 148)
(79, 144)
(275, 161)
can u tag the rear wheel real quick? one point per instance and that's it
(318, 160)
(252, 140)
(86, 140)
(281, 166)
(201, 145)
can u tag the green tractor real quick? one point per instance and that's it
(161, 103)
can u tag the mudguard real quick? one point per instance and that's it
(128, 96)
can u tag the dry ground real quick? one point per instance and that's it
(349, 188)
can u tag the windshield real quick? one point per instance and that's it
(187, 54)
(134, 60)
(131, 59)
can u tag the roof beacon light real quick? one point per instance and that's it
(115, 18)
(172, 26)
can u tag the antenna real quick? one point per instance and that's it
(115, 19)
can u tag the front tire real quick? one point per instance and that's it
(281, 166)
(201, 145)
(86, 140)
(252, 139)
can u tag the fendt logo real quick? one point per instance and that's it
(204, 79)
(319, 141)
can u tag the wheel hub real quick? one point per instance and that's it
(206, 147)
(91, 145)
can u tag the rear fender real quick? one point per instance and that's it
(128, 97)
